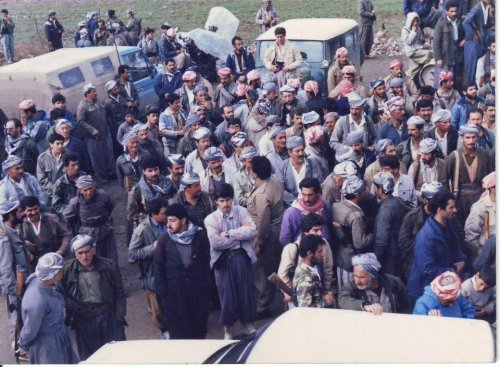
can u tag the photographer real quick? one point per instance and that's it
(282, 58)
(7, 35)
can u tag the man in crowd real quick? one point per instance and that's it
(21, 145)
(53, 32)
(364, 156)
(429, 168)
(95, 298)
(243, 181)
(49, 166)
(127, 88)
(437, 245)
(485, 137)
(91, 116)
(265, 206)
(395, 128)
(215, 175)
(404, 186)
(171, 124)
(388, 223)
(170, 48)
(65, 187)
(396, 71)
(383, 147)
(43, 232)
(168, 83)
(231, 232)
(225, 92)
(7, 35)
(307, 283)
(266, 17)
(377, 102)
(469, 101)
(407, 151)
(182, 272)
(195, 161)
(90, 213)
(446, 95)
(371, 290)
(142, 249)
(17, 184)
(443, 132)
(240, 62)
(282, 58)
(466, 167)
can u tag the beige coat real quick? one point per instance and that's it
(291, 57)
(375, 168)
(474, 225)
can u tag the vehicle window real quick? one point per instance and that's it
(71, 77)
(102, 66)
(312, 51)
(349, 41)
(138, 65)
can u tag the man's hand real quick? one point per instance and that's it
(434, 313)
(155, 244)
(480, 312)
(180, 132)
(31, 246)
(97, 135)
(275, 69)
(459, 266)
(375, 309)
(462, 43)
(166, 95)
(433, 9)
(257, 250)
(414, 28)
(328, 298)
(439, 63)
(285, 69)
(222, 234)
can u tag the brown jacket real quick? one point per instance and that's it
(416, 174)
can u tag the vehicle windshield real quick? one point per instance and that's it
(312, 51)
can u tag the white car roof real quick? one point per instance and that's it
(311, 29)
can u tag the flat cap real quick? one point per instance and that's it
(429, 189)
(213, 154)
(310, 117)
(201, 133)
(353, 185)
(294, 142)
(385, 180)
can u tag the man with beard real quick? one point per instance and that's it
(307, 283)
(115, 108)
(197, 202)
(383, 148)
(364, 156)
(215, 175)
(335, 71)
(234, 147)
(243, 182)
(65, 187)
(279, 153)
(90, 213)
(43, 232)
(466, 167)
(443, 132)
(95, 298)
(332, 185)
(17, 184)
(128, 165)
(168, 82)
(224, 94)
(424, 108)
(171, 124)
(265, 206)
(429, 168)
(377, 101)
(293, 170)
(267, 105)
(446, 95)
(309, 202)
(437, 245)
(356, 120)
(13, 256)
(371, 290)
(297, 128)
(239, 61)
(187, 143)
(142, 248)
(290, 103)
(175, 166)
(395, 129)
(403, 184)
(149, 147)
(152, 184)
(470, 100)
(50, 167)
(186, 91)
(182, 272)
(407, 151)
(227, 113)
(21, 145)
(486, 137)
(396, 71)
(195, 161)
(92, 117)
(388, 223)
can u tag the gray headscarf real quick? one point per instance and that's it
(368, 262)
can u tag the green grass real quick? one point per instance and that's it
(186, 14)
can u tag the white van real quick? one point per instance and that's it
(67, 70)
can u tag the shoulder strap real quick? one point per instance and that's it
(457, 171)
(417, 172)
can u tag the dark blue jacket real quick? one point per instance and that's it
(461, 109)
(388, 131)
(168, 50)
(421, 8)
(436, 250)
(248, 59)
(162, 86)
(461, 308)
(78, 147)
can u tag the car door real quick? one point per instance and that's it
(143, 73)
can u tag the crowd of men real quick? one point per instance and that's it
(378, 199)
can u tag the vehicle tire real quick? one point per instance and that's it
(426, 74)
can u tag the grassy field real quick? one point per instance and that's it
(30, 15)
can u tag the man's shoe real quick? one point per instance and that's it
(164, 335)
